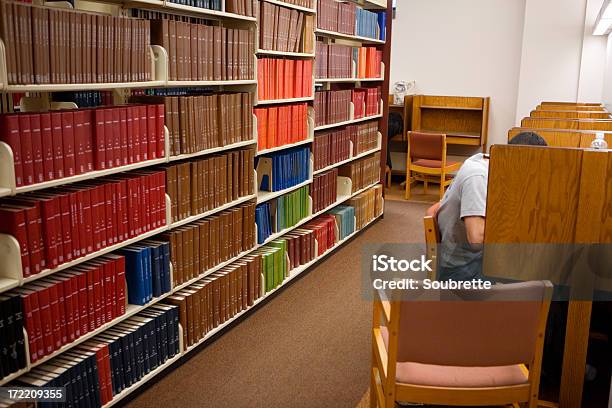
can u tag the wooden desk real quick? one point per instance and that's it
(572, 124)
(563, 137)
(557, 197)
(464, 120)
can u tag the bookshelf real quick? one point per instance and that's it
(161, 84)
(464, 120)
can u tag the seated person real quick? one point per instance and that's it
(461, 217)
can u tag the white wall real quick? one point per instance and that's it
(518, 52)
(466, 47)
(552, 52)
(593, 63)
(607, 86)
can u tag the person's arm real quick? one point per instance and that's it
(473, 208)
(474, 227)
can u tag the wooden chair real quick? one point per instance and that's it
(432, 236)
(426, 158)
(460, 352)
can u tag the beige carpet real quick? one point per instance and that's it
(307, 347)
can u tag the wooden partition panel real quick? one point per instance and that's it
(572, 107)
(568, 114)
(545, 195)
(563, 137)
(571, 124)
(532, 198)
(555, 137)
(545, 103)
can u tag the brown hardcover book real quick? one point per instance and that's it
(171, 50)
(224, 59)
(179, 301)
(193, 52)
(200, 61)
(216, 53)
(9, 35)
(187, 51)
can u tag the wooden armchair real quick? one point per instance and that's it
(426, 158)
(460, 352)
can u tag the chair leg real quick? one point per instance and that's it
(408, 184)
(442, 180)
(373, 399)
(388, 170)
(425, 182)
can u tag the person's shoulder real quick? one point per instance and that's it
(476, 165)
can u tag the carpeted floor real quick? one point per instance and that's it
(308, 347)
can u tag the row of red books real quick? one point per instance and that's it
(331, 147)
(59, 225)
(332, 106)
(324, 228)
(61, 308)
(335, 16)
(300, 247)
(367, 101)
(343, 61)
(324, 190)
(281, 125)
(53, 145)
(279, 78)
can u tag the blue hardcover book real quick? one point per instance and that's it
(156, 270)
(166, 283)
(148, 274)
(382, 24)
(134, 276)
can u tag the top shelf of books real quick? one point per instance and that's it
(214, 9)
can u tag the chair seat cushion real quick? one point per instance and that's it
(434, 164)
(456, 377)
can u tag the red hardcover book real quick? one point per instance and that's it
(135, 134)
(70, 307)
(98, 291)
(161, 133)
(68, 144)
(57, 290)
(109, 138)
(99, 140)
(111, 213)
(125, 157)
(122, 210)
(10, 134)
(37, 148)
(116, 132)
(27, 152)
(81, 284)
(13, 222)
(120, 286)
(79, 142)
(144, 138)
(109, 289)
(47, 145)
(94, 321)
(133, 146)
(87, 226)
(97, 220)
(58, 144)
(88, 130)
(76, 219)
(152, 131)
(50, 317)
(50, 213)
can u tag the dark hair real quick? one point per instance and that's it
(528, 138)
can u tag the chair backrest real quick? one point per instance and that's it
(430, 146)
(474, 328)
(432, 236)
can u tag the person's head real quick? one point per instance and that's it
(528, 138)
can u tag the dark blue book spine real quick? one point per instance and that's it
(135, 277)
(166, 267)
(157, 271)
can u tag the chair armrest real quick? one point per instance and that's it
(385, 305)
(380, 353)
